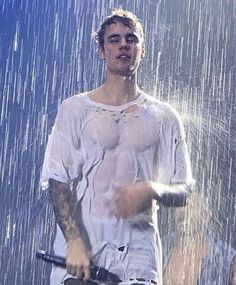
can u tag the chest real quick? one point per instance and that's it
(136, 130)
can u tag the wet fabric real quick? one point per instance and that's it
(103, 147)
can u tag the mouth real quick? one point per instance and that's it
(124, 56)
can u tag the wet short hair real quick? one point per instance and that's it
(119, 16)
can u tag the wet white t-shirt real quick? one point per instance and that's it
(104, 147)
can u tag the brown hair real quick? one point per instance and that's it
(122, 16)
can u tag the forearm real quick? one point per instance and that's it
(190, 254)
(64, 206)
(174, 195)
(65, 209)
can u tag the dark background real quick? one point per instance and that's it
(47, 55)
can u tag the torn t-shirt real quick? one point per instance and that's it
(104, 147)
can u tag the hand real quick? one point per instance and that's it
(78, 259)
(133, 199)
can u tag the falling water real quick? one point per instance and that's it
(47, 54)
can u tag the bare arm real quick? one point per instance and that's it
(232, 280)
(189, 253)
(64, 206)
(191, 246)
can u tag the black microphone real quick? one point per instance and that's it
(50, 258)
(96, 272)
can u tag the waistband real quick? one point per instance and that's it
(139, 281)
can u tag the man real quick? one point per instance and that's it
(114, 154)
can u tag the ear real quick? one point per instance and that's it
(143, 50)
(101, 53)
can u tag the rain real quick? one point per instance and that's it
(47, 54)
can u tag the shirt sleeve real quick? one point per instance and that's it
(173, 158)
(63, 159)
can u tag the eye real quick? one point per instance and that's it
(132, 40)
(114, 40)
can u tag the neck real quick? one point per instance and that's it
(120, 89)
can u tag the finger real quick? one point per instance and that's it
(86, 272)
(72, 270)
(79, 272)
(117, 211)
(116, 197)
(120, 213)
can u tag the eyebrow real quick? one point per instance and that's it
(118, 35)
(113, 36)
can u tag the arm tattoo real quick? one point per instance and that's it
(64, 206)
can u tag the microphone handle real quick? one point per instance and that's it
(57, 260)
(97, 273)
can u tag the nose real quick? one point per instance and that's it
(124, 44)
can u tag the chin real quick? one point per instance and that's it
(126, 72)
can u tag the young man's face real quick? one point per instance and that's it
(122, 49)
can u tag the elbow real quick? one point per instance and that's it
(57, 187)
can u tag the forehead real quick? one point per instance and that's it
(121, 29)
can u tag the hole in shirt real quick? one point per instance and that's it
(121, 248)
(134, 108)
(131, 109)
